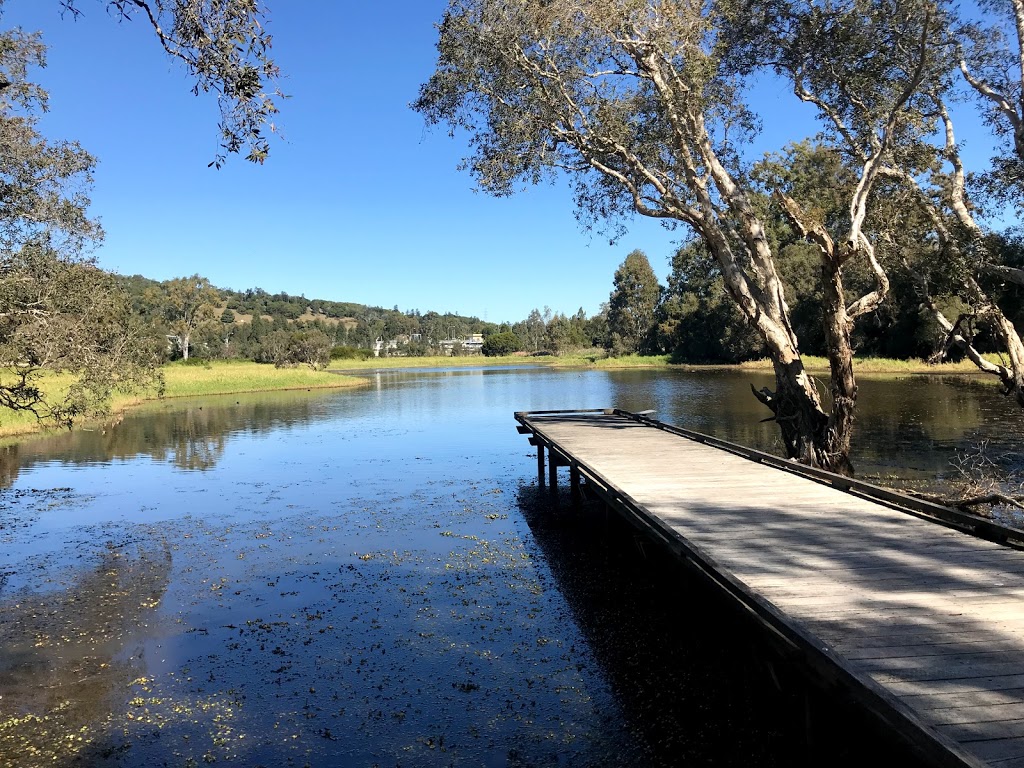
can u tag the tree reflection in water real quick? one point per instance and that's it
(70, 647)
(190, 434)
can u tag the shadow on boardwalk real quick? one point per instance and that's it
(694, 678)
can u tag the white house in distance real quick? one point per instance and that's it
(471, 345)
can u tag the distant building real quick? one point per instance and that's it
(471, 345)
(384, 346)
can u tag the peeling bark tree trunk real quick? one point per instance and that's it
(631, 101)
(840, 359)
(795, 403)
(798, 413)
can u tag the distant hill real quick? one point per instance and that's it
(347, 321)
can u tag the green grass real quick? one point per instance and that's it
(216, 378)
(597, 358)
(437, 361)
(877, 365)
(228, 377)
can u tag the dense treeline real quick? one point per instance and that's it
(199, 321)
(196, 321)
(691, 317)
(648, 108)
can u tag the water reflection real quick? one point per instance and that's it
(188, 434)
(907, 428)
(72, 646)
(364, 577)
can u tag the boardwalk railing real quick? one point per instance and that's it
(863, 584)
(991, 530)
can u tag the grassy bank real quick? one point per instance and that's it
(436, 361)
(598, 359)
(877, 365)
(228, 377)
(217, 378)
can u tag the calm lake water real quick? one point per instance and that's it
(372, 577)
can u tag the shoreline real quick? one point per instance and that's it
(814, 365)
(186, 381)
(234, 377)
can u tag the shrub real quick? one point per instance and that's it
(343, 352)
(503, 343)
(288, 348)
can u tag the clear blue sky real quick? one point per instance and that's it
(359, 202)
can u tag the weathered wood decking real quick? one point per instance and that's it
(921, 621)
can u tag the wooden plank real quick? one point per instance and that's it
(934, 617)
(900, 637)
(937, 704)
(951, 687)
(984, 731)
(978, 648)
(983, 714)
(999, 749)
(936, 668)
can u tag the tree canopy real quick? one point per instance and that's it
(59, 313)
(642, 107)
(225, 48)
(632, 304)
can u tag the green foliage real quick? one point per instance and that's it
(67, 316)
(225, 47)
(533, 330)
(350, 353)
(632, 305)
(697, 321)
(185, 305)
(286, 348)
(59, 313)
(501, 343)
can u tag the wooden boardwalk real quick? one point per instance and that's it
(921, 621)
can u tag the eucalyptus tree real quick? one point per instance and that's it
(991, 59)
(186, 304)
(989, 53)
(965, 256)
(226, 49)
(58, 312)
(640, 104)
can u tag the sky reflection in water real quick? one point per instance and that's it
(371, 577)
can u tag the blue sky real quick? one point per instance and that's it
(359, 202)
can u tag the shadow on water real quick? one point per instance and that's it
(74, 645)
(695, 678)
